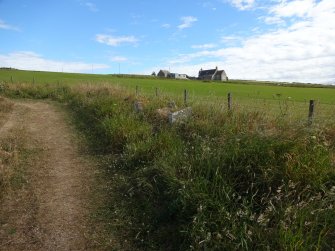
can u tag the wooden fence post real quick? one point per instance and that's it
(185, 96)
(156, 91)
(311, 112)
(11, 79)
(229, 101)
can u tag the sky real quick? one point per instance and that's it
(277, 40)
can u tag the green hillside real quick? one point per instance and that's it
(243, 90)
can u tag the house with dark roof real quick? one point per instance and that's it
(163, 74)
(212, 74)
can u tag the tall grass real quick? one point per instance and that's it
(222, 180)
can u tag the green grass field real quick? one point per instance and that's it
(242, 90)
(275, 99)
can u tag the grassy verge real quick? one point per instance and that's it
(220, 181)
(9, 145)
(18, 206)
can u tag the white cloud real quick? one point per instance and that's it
(208, 5)
(272, 20)
(91, 6)
(5, 26)
(187, 22)
(299, 8)
(203, 46)
(303, 51)
(166, 26)
(119, 59)
(26, 60)
(231, 38)
(242, 4)
(115, 41)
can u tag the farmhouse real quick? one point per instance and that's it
(163, 74)
(213, 74)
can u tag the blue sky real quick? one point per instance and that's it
(251, 39)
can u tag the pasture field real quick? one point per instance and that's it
(273, 99)
(243, 90)
(257, 177)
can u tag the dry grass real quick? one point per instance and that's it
(6, 107)
(7, 147)
(17, 200)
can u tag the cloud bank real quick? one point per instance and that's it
(300, 49)
(26, 60)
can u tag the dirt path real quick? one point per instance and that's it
(59, 184)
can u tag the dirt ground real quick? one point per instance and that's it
(52, 210)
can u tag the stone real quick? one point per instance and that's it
(180, 116)
(163, 113)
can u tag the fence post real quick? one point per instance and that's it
(185, 96)
(156, 92)
(311, 112)
(229, 101)
(11, 79)
(137, 91)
